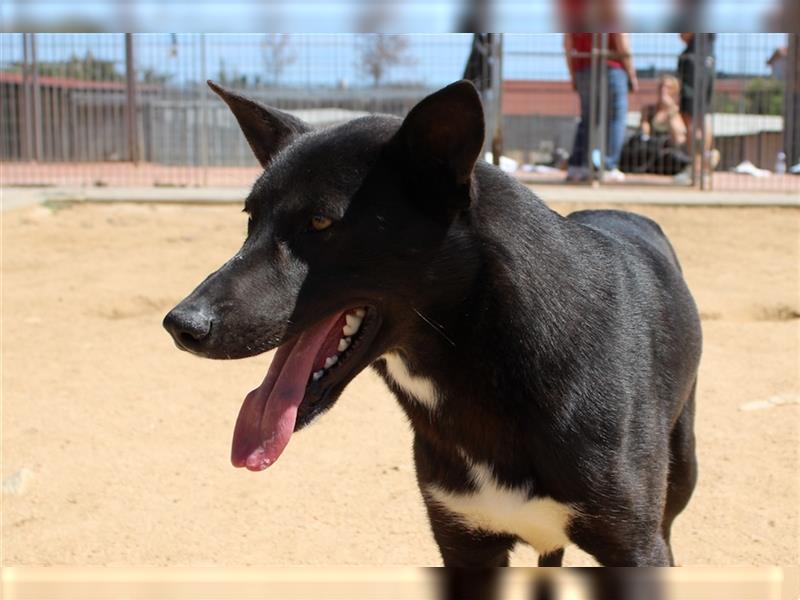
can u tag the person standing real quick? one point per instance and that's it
(688, 61)
(691, 61)
(621, 78)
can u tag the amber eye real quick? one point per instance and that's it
(318, 222)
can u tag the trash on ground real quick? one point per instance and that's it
(15, 484)
(747, 168)
(509, 165)
(772, 402)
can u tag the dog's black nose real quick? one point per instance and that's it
(188, 327)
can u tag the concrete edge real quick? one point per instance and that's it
(663, 196)
(14, 197)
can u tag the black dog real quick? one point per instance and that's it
(547, 364)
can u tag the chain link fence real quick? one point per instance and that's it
(747, 140)
(134, 110)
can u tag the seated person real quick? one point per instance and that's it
(664, 117)
(659, 147)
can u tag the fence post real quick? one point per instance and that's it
(26, 137)
(36, 113)
(130, 105)
(497, 84)
(602, 125)
(598, 106)
(791, 104)
(704, 47)
(702, 61)
(696, 75)
(591, 129)
(203, 109)
(489, 94)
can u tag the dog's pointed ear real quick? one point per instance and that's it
(444, 132)
(267, 129)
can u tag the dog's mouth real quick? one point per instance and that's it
(302, 380)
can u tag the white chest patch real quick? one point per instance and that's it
(541, 522)
(421, 389)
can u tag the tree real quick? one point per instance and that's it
(276, 55)
(222, 74)
(764, 96)
(379, 53)
(725, 103)
(228, 79)
(90, 68)
(148, 75)
(75, 67)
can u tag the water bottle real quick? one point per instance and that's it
(780, 164)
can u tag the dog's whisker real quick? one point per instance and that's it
(435, 326)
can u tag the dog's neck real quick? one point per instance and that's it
(534, 272)
(523, 311)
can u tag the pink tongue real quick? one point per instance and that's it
(267, 417)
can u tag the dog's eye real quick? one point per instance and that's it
(319, 222)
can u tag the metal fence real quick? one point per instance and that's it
(745, 142)
(111, 109)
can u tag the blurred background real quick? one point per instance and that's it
(114, 109)
(392, 16)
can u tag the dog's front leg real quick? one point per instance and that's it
(459, 545)
(463, 547)
(624, 545)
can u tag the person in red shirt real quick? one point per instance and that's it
(621, 78)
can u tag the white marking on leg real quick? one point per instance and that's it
(421, 389)
(540, 521)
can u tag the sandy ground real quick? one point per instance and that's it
(115, 445)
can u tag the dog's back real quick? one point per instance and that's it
(628, 226)
(652, 286)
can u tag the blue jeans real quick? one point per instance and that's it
(617, 114)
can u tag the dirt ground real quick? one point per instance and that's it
(115, 444)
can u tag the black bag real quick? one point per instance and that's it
(654, 154)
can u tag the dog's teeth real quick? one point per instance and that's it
(360, 312)
(353, 323)
(317, 375)
(330, 361)
(344, 344)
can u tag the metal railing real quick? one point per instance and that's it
(749, 121)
